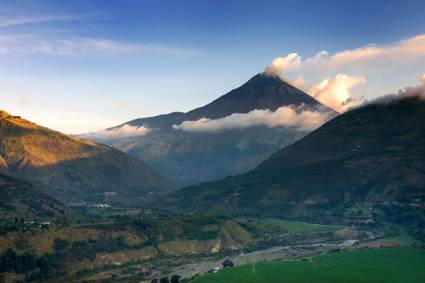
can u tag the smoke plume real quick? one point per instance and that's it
(291, 61)
(335, 93)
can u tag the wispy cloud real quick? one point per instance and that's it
(35, 44)
(366, 56)
(408, 92)
(284, 116)
(370, 55)
(23, 99)
(13, 21)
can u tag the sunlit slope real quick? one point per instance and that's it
(72, 169)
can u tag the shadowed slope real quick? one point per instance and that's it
(371, 157)
(21, 199)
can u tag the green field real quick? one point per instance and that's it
(402, 265)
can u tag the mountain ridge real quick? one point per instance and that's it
(279, 93)
(357, 167)
(70, 168)
(184, 157)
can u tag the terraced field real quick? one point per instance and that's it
(352, 266)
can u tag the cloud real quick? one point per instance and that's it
(284, 116)
(408, 92)
(336, 93)
(34, 44)
(23, 99)
(33, 19)
(297, 82)
(366, 56)
(336, 89)
(291, 61)
(369, 55)
(120, 105)
(124, 131)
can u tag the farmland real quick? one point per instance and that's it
(368, 265)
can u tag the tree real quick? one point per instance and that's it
(60, 244)
(228, 263)
(175, 278)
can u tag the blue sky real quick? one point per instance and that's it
(78, 66)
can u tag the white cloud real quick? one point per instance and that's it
(369, 55)
(408, 92)
(23, 99)
(284, 116)
(8, 21)
(291, 61)
(121, 132)
(337, 90)
(336, 93)
(34, 44)
(297, 82)
(366, 56)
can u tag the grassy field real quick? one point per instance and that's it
(399, 265)
(300, 227)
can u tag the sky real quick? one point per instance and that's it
(80, 66)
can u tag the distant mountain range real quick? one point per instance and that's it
(365, 165)
(188, 156)
(71, 169)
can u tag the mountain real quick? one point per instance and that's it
(20, 199)
(185, 156)
(260, 92)
(71, 169)
(365, 165)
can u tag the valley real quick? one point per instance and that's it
(264, 184)
(288, 219)
(139, 247)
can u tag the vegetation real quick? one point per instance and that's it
(366, 173)
(63, 251)
(300, 227)
(359, 266)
